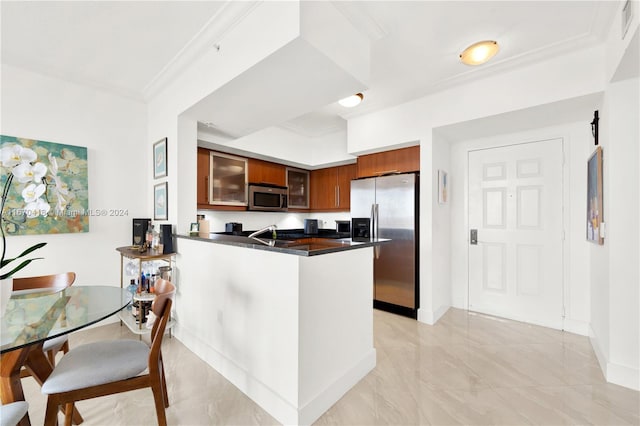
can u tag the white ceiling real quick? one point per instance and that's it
(124, 47)
(120, 46)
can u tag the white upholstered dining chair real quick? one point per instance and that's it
(109, 367)
(12, 413)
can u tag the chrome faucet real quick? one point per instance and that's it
(271, 228)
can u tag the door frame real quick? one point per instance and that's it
(564, 247)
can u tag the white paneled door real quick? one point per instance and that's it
(516, 232)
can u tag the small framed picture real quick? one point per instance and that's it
(443, 187)
(160, 208)
(160, 158)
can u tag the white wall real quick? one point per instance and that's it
(615, 324)
(434, 232)
(252, 221)
(113, 129)
(565, 77)
(577, 147)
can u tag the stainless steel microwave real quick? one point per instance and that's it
(265, 197)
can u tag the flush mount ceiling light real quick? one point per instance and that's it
(479, 53)
(351, 101)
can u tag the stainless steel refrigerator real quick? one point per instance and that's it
(391, 203)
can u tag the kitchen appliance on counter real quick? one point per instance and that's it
(233, 227)
(388, 206)
(265, 197)
(361, 229)
(139, 230)
(311, 226)
(343, 226)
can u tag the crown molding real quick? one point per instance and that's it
(361, 21)
(229, 15)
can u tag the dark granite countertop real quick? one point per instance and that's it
(296, 243)
(291, 234)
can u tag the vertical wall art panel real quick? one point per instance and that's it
(45, 187)
(594, 198)
(443, 187)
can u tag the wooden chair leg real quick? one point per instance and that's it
(158, 398)
(51, 413)
(68, 414)
(65, 347)
(51, 356)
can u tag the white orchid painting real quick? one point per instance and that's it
(45, 187)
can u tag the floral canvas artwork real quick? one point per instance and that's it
(47, 190)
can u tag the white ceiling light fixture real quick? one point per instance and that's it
(351, 101)
(479, 53)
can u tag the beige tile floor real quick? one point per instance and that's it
(467, 369)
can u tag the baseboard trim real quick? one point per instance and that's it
(323, 401)
(431, 317)
(281, 409)
(576, 327)
(623, 375)
(600, 356)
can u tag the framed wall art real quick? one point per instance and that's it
(160, 208)
(595, 217)
(160, 158)
(54, 196)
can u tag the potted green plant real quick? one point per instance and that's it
(20, 164)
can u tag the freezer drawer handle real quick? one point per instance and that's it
(473, 237)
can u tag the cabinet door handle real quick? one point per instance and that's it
(206, 185)
(335, 196)
(338, 198)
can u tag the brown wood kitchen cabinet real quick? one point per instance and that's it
(227, 180)
(394, 161)
(203, 179)
(331, 188)
(266, 172)
(298, 184)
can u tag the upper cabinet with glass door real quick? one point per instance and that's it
(228, 180)
(298, 183)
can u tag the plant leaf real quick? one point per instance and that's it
(19, 267)
(24, 253)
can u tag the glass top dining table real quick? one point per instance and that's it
(33, 316)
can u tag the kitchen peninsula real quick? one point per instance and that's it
(289, 322)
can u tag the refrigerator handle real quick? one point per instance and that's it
(375, 229)
(377, 220)
(373, 221)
